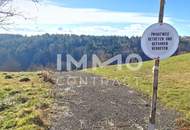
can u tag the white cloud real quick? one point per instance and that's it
(131, 30)
(50, 14)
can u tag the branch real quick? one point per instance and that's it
(6, 12)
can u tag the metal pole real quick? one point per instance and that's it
(152, 119)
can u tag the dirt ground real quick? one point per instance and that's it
(88, 102)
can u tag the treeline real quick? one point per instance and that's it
(36, 52)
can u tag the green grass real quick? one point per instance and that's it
(174, 81)
(24, 105)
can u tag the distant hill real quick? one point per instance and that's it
(29, 53)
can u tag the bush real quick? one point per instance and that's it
(8, 77)
(24, 80)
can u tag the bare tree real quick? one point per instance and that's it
(7, 12)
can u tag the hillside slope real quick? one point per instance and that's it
(25, 101)
(174, 83)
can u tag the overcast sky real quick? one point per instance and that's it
(97, 17)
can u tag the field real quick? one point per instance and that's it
(25, 101)
(174, 82)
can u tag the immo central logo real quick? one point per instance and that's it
(133, 62)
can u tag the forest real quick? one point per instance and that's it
(26, 53)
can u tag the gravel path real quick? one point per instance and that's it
(87, 102)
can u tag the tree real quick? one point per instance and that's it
(7, 12)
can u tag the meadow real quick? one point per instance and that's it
(25, 101)
(174, 82)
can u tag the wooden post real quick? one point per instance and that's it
(161, 13)
(152, 119)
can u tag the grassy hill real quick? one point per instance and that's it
(24, 101)
(174, 81)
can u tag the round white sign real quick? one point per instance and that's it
(160, 40)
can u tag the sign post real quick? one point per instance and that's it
(158, 42)
(152, 119)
